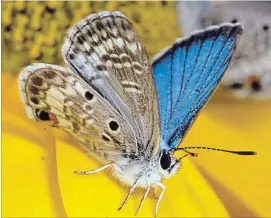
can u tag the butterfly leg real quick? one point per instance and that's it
(160, 196)
(144, 197)
(129, 194)
(95, 171)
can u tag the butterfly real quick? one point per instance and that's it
(125, 112)
(250, 71)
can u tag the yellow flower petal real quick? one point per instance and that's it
(36, 181)
(187, 193)
(29, 176)
(29, 181)
(241, 182)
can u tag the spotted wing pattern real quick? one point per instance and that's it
(54, 95)
(105, 51)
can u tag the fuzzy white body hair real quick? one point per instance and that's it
(147, 171)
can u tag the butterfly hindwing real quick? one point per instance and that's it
(187, 73)
(105, 51)
(56, 96)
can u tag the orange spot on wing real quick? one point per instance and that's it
(52, 117)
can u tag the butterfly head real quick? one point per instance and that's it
(168, 163)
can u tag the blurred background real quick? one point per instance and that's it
(35, 31)
(37, 178)
(249, 75)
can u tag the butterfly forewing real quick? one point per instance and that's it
(56, 96)
(187, 73)
(106, 52)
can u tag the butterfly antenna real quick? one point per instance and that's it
(214, 149)
(190, 153)
(179, 160)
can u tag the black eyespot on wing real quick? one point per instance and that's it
(46, 116)
(165, 160)
(113, 125)
(88, 95)
(43, 115)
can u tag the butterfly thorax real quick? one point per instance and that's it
(148, 171)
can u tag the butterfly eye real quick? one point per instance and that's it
(165, 160)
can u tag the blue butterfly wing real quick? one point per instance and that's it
(187, 73)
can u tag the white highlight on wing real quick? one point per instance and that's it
(126, 82)
(132, 90)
